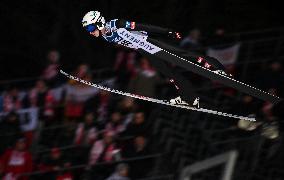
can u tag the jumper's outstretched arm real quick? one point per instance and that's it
(150, 29)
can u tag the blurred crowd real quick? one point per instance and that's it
(71, 124)
(69, 130)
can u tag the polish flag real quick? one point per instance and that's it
(132, 25)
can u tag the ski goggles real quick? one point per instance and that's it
(91, 27)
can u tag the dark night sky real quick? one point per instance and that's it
(31, 27)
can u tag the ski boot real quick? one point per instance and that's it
(179, 101)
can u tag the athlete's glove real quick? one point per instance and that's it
(174, 35)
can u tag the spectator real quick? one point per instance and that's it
(85, 136)
(9, 131)
(146, 80)
(116, 124)
(12, 100)
(78, 93)
(65, 136)
(51, 72)
(86, 133)
(73, 108)
(140, 148)
(137, 126)
(17, 161)
(191, 41)
(124, 68)
(99, 104)
(103, 150)
(54, 164)
(126, 107)
(49, 111)
(121, 173)
(38, 94)
(82, 71)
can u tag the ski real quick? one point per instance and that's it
(155, 48)
(205, 72)
(183, 105)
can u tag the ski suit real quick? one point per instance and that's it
(153, 34)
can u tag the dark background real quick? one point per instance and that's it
(32, 27)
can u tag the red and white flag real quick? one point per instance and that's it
(226, 56)
(132, 25)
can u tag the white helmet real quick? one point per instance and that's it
(95, 19)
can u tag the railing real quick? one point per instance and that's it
(88, 167)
